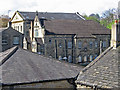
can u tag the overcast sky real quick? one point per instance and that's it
(81, 6)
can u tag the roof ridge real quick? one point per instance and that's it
(9, 54)
(97, 59)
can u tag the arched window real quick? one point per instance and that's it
(80, 59)
(91, 44)
(91, 57)
(69, 59)
(104, 44)
(85, 58)
(96, 44)
(79, 44)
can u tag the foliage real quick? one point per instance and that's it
(106, 20)
(3, 22)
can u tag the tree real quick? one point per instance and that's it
(4, 22)
(94, 17)
(107, 18)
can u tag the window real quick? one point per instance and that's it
(50, 41)
(4, 40)
(91, 44)
(85, 58)
(15, 40)
(104, 44)
(79, 44)
(80, 59)
(96, 44)
(69, 59)
(91, 57)
(25, 45)
(21, 28)
(69, 44)
(18, 28)
(36, 32)
(60, 45)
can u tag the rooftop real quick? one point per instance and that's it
(50, 15)
(22, 66)
(103, 72)
(81, 28)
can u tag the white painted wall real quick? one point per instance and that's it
(17, 21)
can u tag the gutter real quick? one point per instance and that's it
(9, 55)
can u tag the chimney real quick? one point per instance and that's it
(9, 24)
(115, 34)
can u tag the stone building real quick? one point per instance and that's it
(22, 69)
(9, 37)
(21, 21)
(103, 73)
(65, 37)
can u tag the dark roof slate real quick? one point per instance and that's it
(103, 72)
(82, 28)
(50, 15)
(24, 66)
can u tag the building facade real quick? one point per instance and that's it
(73, 40)
(10, 38)
(98, 75)
(22, 69)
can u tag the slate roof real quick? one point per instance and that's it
(82, 28)
(103, 72)
(50, 15)
(24, 66)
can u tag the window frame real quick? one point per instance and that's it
(36, 33)
(104, 44)
(80, 44)
(17, 40)
(69, 44)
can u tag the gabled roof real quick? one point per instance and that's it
(50, 15)
(103, 72)
(23, 66)
(82, 28)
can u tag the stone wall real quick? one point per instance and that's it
(90, 47)
(56, 46)
(8, 35)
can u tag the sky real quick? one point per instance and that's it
(87, 7)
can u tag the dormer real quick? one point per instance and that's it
(38, 29)
(115, 34)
